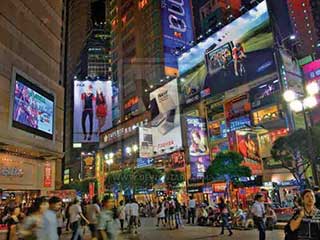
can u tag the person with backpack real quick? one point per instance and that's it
(305, 223)
(224, 216)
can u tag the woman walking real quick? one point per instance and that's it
(224, 216)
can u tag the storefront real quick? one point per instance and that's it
(24, 178)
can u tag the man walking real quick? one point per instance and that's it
(258, 212)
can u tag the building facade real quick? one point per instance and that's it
(32, 96)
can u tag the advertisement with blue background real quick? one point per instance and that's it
(177, 31)
(198, 146)
(239, 53)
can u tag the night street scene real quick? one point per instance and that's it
(159, 119)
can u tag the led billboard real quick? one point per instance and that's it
(177, 31)
(237, 54)
(33, 108)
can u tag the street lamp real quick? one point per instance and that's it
(302, 103)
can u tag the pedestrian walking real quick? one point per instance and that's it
(178, 219)
(305, 223)
(12, 223)
(258, 212)
(67, 216)
(171, 213)
(76, 215)
(106, 225)
(34, 220)
(192, 210)
(92, 212)
(49, 229)
(134, 216)
(122, 214)
(60, 218)
(161, 215)
(224, 216)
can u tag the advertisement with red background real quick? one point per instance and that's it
(47, 175)
(248, 147)
(178, 161)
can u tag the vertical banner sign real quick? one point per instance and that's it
(177, 31)
(145, 142)
(47, 175)
(91, 190)
(198, 146)
(165, 118)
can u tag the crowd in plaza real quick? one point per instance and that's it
(47, 219)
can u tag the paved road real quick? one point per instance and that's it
(148, 231)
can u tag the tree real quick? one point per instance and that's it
(227, 166)
(173, 178)
(146, 178)
(133, 179)
(293, 152)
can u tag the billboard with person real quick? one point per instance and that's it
(199, 156)
(237, 54)
(92, 113)
(165, 118)
(248, 147)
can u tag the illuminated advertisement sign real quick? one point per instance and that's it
(145, 142)
(92, 113)
(239, 53)
(237, 107)
(177, 161)
(33, 108)
(217, 130)
(265, 94)
(291, 73)
(238, 123)
(312, 71)
(198, 146)
(144, 162)
(177, 31)
(165, 118)
(248, 147)
(47, 175)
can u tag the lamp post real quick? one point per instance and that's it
(303, 103)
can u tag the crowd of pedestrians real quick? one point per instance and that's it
(47, 219)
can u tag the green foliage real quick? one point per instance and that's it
(227, 166)
(173, 178)
(294, 151)
(141, 178)
(82, 186)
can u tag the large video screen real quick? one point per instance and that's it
(92, 112)
(33, 108)
(239, 53)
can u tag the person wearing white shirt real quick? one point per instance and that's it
(75, 213)
(122, 214)
(134, 215)
(192, 210)
(258, 211)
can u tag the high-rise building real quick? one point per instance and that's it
(142, 53)
(90, 60)
(303, 14)
(32, 96)
(77, 25)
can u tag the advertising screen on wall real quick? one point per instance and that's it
(92, 112)
(33, 108)
(145, 142)
(165, 118)
(177, 31)
(239, 53)
(198, 146)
